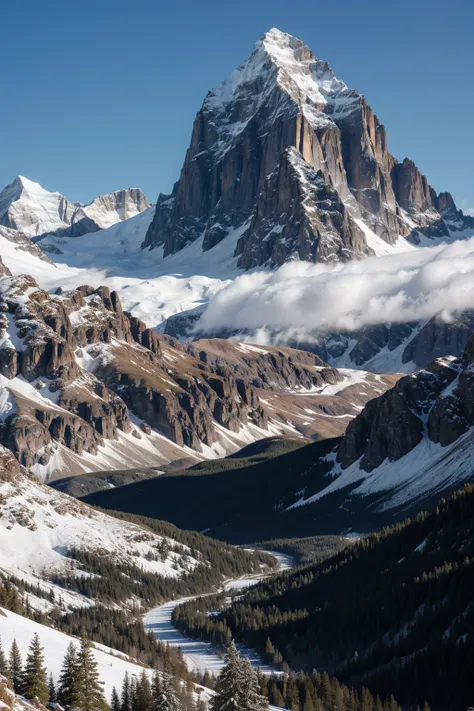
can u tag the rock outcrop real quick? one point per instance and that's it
(77, 372)
(288, 159)
(434, 403)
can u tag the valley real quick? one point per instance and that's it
(236, 424)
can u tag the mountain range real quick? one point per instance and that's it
(277, 355)
(104, 362)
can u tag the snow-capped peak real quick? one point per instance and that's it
(27, 207)
(280, 77)
(313, 78)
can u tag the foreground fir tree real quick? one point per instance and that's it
(4, 668)
(143, 699)
(67, 677)
(35, 679)
(230, 684)
(252, 699)
(87, 691)
(165, 697)
(52, 690)
(115, 704)
(16, 668)
(126, 699)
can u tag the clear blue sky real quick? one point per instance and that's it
(100, 95)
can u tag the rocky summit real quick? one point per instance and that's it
(289, 163)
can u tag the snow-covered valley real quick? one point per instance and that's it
(203, 656)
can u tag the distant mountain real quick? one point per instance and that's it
(378, 348)
(27, 207)
(289, 159)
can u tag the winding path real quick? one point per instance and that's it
(202, 656)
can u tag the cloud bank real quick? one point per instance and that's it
(301, 297)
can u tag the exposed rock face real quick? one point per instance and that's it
(266, 367)
(436, 402)
(299, 215)
(438, 338)
(106, 210)
(239, 173)
(73, 366)
(27, 208)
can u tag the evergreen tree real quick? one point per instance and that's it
(229, 685)
(126, 700)
(35, 679)
(16, 668)
(87, 692)
(143, 699)
(115, 704)
(252, 699)
(4, 668)
(51, 690)
(67, 677)
(164, 694)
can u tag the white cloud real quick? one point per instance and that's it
(469, 211)
(301, 297)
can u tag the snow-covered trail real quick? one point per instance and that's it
(202, 656)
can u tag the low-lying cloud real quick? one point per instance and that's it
(301, 297)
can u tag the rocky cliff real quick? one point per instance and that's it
(77, 373)
(289, 159)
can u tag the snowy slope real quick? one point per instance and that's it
(414, 442)
(427, 470)
(112, 665)
(29, 208)
(38, 526)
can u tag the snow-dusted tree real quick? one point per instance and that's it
(165, 697)
(4, 668)
(16, 668)
(67, 676)
(252, 698)
(35, 678)
(230, 684)
(87, 691)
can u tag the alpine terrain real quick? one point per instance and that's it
(236, 425)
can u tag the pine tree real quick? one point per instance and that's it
(143, 700)
(115, 704)
(16, 668)
(35, 679)
(126, 701)
(67, 677)
(4, 668)
(228, 696)
(252, 699)
(164, 694)
(51, 690)
(87, 692)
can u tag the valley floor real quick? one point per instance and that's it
(202, 656)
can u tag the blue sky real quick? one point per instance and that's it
(101, 95)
